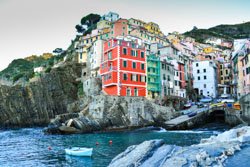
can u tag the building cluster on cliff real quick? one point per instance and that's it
(135, 58)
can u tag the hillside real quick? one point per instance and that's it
(228, 32)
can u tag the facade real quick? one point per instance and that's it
(123, 68)
(246, 73)
(205, 78)
(153, 76)
(153, 28)
(136, 23)
(95, 55)
(111, 16)
(103, 24)
(167, 78)
(83, 54)
(119, 28)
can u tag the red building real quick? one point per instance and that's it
(123, 68)
(182, 75)
(119, 28)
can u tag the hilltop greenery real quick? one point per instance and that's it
(24, 68)
(228, 32)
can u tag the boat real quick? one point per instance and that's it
(191, 114)
(79, 151)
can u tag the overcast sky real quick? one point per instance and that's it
(36, 26)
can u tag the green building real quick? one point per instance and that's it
(153, 76)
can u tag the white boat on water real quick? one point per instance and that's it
(79, 151)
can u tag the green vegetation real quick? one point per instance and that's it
(24, 68)
(90, 19)
(228, 32)
(80, 89)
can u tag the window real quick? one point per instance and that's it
(162, 65)
(199, 78)
(135, 92)
(133, 53)
(128, 91)
(134, 77)
(175, 83)
(226, 72)
(134, 65)
(197, 65)
(221, 72)
(164, 76)
(165, 91)
(168, 77)
(125, 77)
(205, 86)
(142, 54)
(124, 63)
(198, 71)
(204, 70)
(143, 78)
(109, 42)
(205, 77)
(142, 66)
(221, 78)
(168, 68)
(124, 51)
(109, 55)
(177, 73)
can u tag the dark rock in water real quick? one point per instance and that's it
(39, 101)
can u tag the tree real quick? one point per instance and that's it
(90, 19)
(79, 28)
(58, 50)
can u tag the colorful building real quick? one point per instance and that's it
(153, 28)
(123, 68)
(119, 28)
(153, 76)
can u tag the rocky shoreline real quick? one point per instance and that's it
(111, 113)
(210, 152)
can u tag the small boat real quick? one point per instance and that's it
(79, 151)
(191, 114)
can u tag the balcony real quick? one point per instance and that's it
(108, 69)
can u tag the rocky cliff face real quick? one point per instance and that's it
(109, 113)
(39, 101)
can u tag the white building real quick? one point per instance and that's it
(95, 57)
(111, 16)
(205, 78)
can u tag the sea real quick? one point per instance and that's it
(30, 147)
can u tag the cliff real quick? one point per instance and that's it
(111, 113)
(37, 102)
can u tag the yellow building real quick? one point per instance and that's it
(82, 54)
(153, 28)
(144, 35)
(103, 24)
(208, 50)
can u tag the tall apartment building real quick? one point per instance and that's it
(123, 68)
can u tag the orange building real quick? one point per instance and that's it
(119, 28)
(123, 68)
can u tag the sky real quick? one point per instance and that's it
(29, 27)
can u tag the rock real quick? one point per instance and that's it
(68, 130)
(155, 153)
(112, 113)
(37, 102)
(136, 155)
